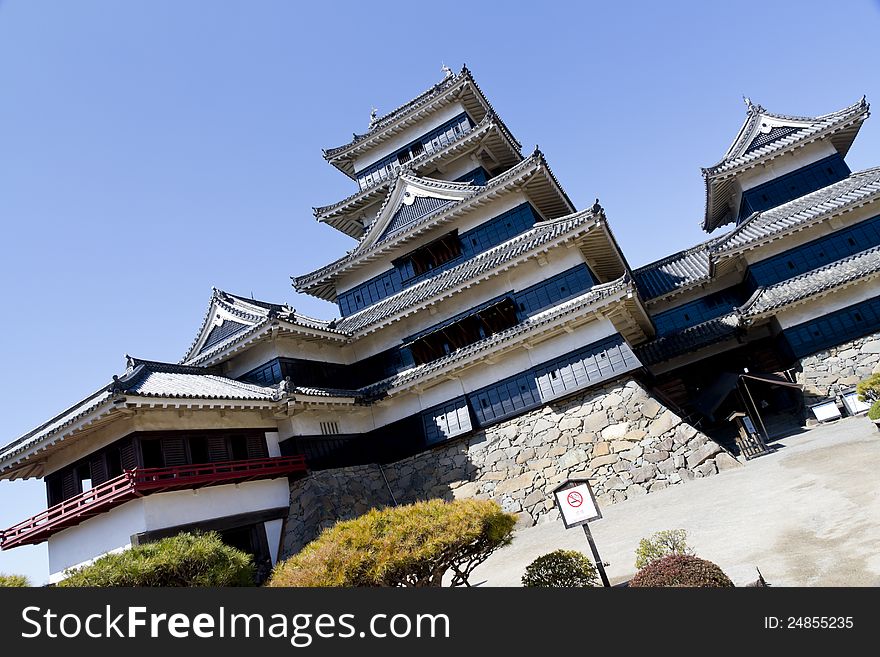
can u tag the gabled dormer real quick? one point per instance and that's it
(411, 199)
(753, 175)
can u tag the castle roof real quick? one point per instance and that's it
(853, 191)
(765, 136)
(690, 339)
(685, 269)
(766, 300)
(490, 133)
(230, 318)
(532, 175)
(143, 379)
(453, 88)
(673, 272)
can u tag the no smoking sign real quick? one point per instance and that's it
(576, 503)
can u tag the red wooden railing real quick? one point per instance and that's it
(143, 481)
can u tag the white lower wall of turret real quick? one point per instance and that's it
(108, 532)
(113, 531)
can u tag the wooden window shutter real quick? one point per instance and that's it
(256, 447)
(128, 455)
(174, 451)
(68, 485)
(98, 466)
(217, 449)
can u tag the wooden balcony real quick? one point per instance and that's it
(136, 483)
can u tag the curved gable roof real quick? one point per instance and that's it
(764, 136)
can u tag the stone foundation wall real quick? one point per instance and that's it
(320, 499)
(826, 373)
(627, 441)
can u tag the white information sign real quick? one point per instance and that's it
(826, 411)
(853, 404)
(577, 505)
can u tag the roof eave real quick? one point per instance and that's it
(321, 285)
(406, 115)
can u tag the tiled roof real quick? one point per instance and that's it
(852, 191)
(368, 250)
(819, 280)
(250, 314)
(674, 272)
(325, 392)
(764, 136)
(390, 118)
(690, 339)
(153, 379)
(745, 150)
(451, 279)
(764, 301)
(366, 196)
(143, 379)
(55, 425)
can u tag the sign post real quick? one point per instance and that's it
(578, 507)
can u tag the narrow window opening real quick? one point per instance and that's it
(198, 450)
(152, 453)
(114, 463)
(238, 445)
(84, 478)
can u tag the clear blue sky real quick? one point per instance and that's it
(152, 149)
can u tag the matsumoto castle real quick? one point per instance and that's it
(492, 341)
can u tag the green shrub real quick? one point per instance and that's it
(560, 568)
(869, 389)
(182, 560)
(661, 544)
(874, 411)
(411, 545)
(680, 570)
(13, 581)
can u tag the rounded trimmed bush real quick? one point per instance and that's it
(14, 581)
(680, 570)
(874, 411)
(560, 568)
(182, 560)
(410, 545)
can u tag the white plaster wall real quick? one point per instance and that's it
(472, 219)
(784, 164)
(108, 532)
(112, 531)
(272, 447)
(409, 135)
(827, 304)
(183, 507)
(357, 419)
